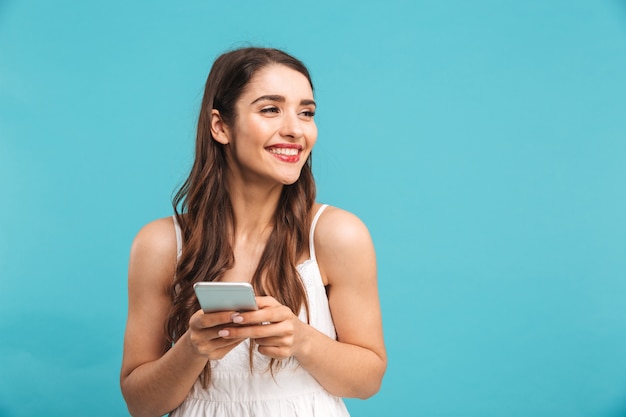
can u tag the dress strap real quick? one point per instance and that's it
(312, 233)
(179, 238)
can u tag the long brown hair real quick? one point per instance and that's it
(204, 211)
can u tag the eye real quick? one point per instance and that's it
(269, 110)
(308, 113)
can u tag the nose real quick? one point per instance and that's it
(291, 126)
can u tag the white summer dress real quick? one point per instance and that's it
(235, 391)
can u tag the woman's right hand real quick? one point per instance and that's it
(203, 334)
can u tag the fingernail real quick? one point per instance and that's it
(223, 333)
(237, 319)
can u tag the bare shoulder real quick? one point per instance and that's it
(342, 241)
(339, 227)
(153, 252)
(156, 236)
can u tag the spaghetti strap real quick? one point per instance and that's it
(312, 233)
(179, 238)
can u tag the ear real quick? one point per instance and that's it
(219, 129)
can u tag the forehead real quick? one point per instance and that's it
(280, 80)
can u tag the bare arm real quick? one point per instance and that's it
(352, 366)
(152, 383)
(347, 260)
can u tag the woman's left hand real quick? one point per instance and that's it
(274, 327)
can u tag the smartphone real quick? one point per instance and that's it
(225, 296)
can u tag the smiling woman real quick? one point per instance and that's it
(247, 213)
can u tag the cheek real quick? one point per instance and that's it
(312, 135)
(247, 137)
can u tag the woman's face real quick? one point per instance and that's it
(274, 130)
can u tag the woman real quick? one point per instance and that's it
(247, 212)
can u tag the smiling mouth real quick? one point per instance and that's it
(284, 151)
(289, 153)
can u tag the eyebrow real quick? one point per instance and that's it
(281, 99)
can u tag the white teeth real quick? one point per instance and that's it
(284, 151)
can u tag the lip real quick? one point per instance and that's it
(285, 152)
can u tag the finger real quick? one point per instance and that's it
(274, 341)
(220, 343)
(259, 331)
(279, 353)
(207, 342)
(220, 352)
(210, 337)
(274, 314)
(202, 320)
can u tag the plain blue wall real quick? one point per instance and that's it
(483, 142)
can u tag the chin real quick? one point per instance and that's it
(289, 179)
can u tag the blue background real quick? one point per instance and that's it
(482, 142)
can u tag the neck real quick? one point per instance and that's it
(254, 207)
